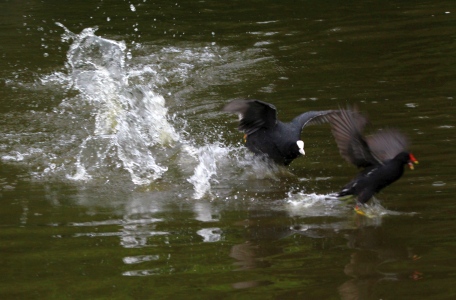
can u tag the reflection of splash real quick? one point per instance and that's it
(210, 235)
(205, 212)
(129, 260)
(149, 272)
(135, 233)
(142, 226)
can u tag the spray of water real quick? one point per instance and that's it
(208, 157)
(131, 129)
(130, 123)
(303, 204)
(113, 124)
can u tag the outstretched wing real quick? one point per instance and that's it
(387, 143)
(254, 114)
(313, 118)
(347, 127)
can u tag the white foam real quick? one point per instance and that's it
(374, 210)
(13, 156)
(302, 204)
(113, 121)
(210, 235)
(128, 120)
(207, 157)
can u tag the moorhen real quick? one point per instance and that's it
(382, 155)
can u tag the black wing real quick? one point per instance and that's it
(254, 114)
(387, 143)
(347, 127)
(314, 117)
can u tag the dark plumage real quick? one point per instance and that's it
(265, 134)
(382, 155)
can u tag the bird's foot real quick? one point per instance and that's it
(359, 209)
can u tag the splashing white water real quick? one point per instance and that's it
(110, 123)
(374, 209)
(206, 169)
(129, 120)
(302, 204)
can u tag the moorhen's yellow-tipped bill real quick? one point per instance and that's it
(413, 160)
(382, 155)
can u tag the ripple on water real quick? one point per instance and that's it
(130, 260)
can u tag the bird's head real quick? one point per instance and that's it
(300, 144)
(412, 160)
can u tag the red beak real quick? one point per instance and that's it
(412, 161)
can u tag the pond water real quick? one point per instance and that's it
(121, 178)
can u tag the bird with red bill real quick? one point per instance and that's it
(381, 156)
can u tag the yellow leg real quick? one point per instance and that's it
(359, 211)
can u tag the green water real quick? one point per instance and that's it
(210, 223)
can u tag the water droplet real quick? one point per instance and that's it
(438, 183)
(132, 7)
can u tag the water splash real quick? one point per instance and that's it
(109, 123)
(206, 169)
(210, 235)
(130, 122)
(374, 210)
(302, 204)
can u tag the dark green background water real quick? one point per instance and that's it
(254, 234)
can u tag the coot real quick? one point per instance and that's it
(266, 135)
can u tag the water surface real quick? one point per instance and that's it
(120, 176)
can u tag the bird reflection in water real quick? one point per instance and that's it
(374, 252)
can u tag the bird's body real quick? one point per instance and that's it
(266, 135)
(373, 179)
(382, 155)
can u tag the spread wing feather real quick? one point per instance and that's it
(347, 127)
(387, 143)
(254, 114)
(314, 118)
